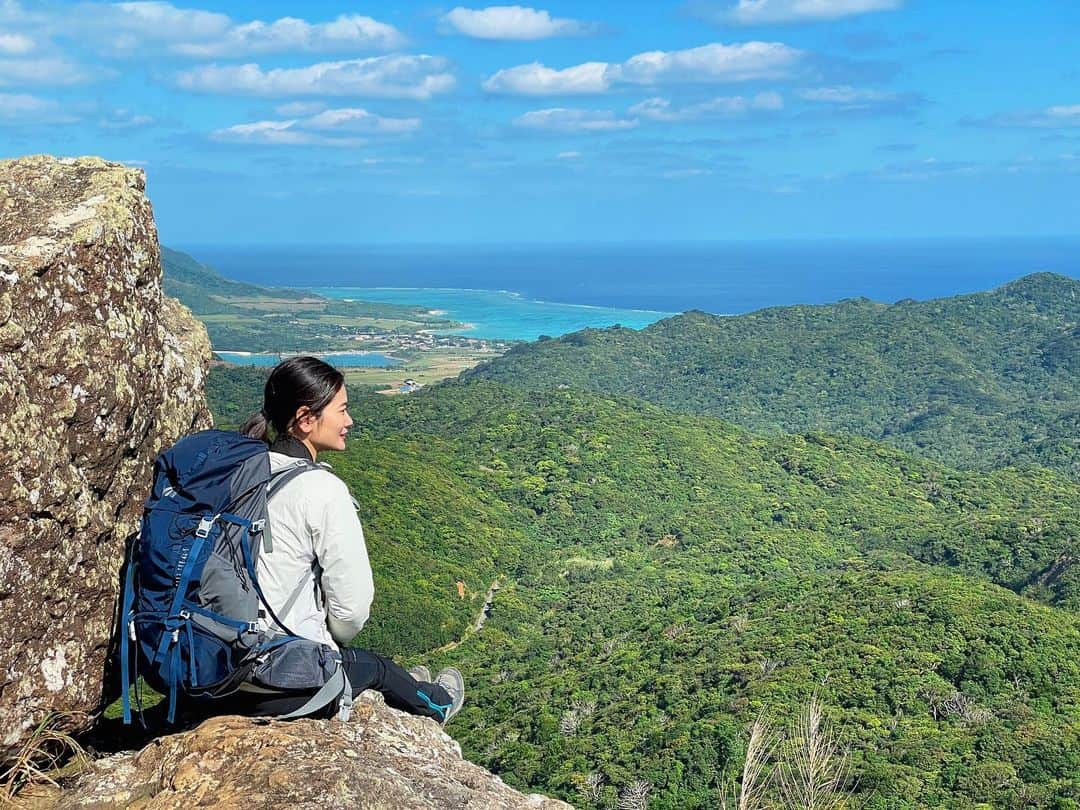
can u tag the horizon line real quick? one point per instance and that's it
(626, 242)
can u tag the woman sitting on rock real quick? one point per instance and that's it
(317, 580)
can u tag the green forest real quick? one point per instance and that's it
(977, 381)
(666, 577)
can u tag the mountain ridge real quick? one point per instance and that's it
(980, 380)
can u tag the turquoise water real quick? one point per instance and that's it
(727, 278)
(339, 359)
(501, 315)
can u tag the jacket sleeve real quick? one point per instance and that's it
(347, 584)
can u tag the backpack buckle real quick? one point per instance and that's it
(257, 526)
(184, 616)
(205, 525)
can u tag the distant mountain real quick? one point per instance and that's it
(982, 381)
(206, 292)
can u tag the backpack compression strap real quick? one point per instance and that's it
(337, 686)
(127, 630)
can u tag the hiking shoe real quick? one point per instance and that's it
(421, 673)
(454, 684)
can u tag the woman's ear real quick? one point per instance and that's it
(304, 419)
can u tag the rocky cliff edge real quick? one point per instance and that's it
(382, 759)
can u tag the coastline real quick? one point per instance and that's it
(499, 315)
(517, 297)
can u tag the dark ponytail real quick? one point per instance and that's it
(293, 383)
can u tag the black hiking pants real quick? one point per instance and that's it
(366, 670)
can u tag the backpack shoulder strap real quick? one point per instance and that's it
(278, 479)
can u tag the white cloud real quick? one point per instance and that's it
(709, 63)
(848, 99)
(15, 44)
(712, 63)
(537, 80)
(326, 128)
(157, 19)
(568, 156)
(123, 118)
(512, 22)
(925, 169)
(1059, 116)
(297, 108)
(126, 28)
(1064, 112)
(845, 95)
(359, 120)
(753, 12)
(293, 35)
(562, 120)
(20, 108)
(391, 161)
(50, 71)
(683, 174)
(277, 133)
(396, 76)
(767, 101)
(660, 109)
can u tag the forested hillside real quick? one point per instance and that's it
(665, 577)
(975, 381)
(205, 291)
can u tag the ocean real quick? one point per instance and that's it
(522, 291)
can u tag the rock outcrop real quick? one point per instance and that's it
(98, 372)
(380, 759)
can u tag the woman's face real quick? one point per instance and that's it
(328, 429)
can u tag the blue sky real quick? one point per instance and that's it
(347, 123)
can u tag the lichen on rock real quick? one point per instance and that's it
(98, 372)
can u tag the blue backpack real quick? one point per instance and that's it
(192, 602)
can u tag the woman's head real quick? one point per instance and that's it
(304, 398)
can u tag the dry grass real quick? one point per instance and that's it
(810, 773)
(47, 754)
(815, 767)
(749, 793)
